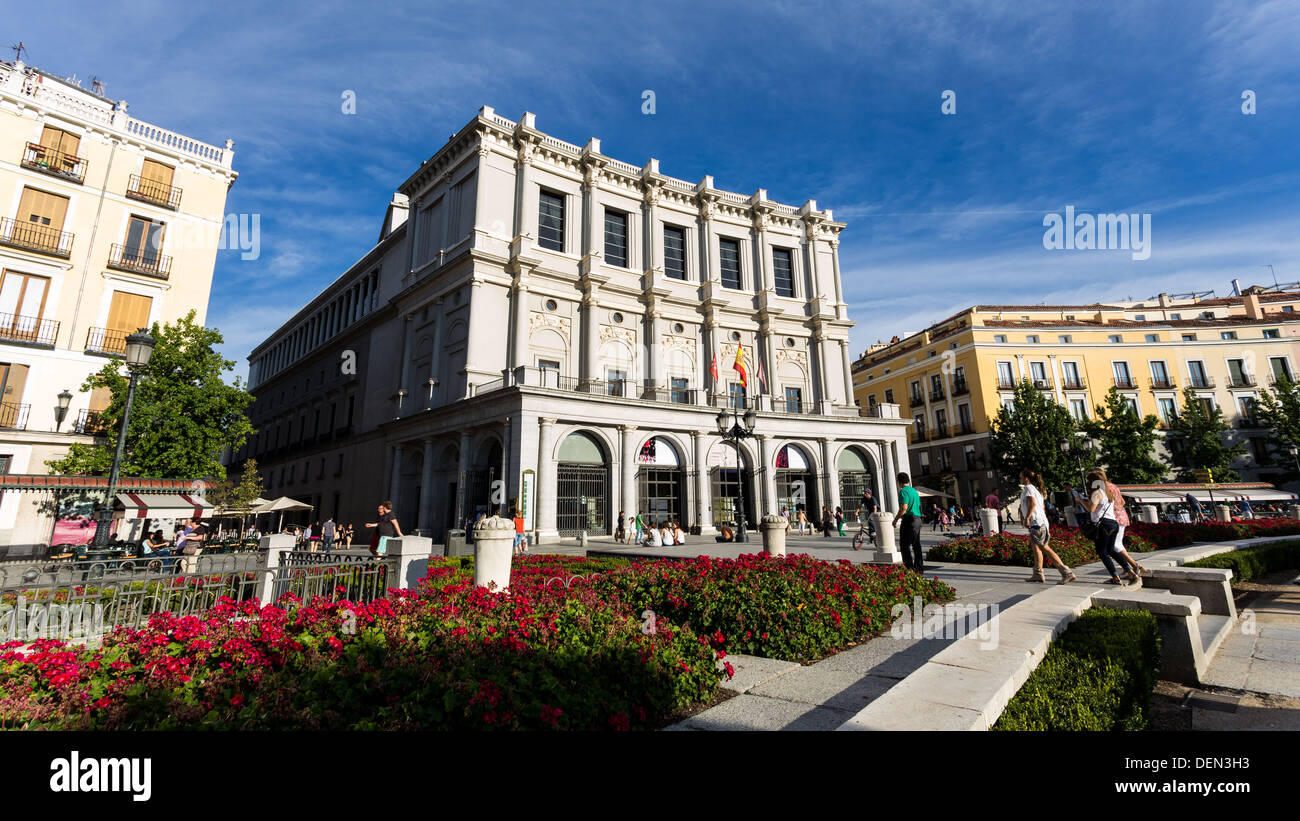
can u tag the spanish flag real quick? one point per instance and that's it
(739, 365)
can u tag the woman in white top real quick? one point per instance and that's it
(1034, 514)
(679, 535)
(666, 534)
(1101, 509)
(654, 537)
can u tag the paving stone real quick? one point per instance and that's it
(1227, 672)
(752, 712)
(752, 671)
(841, 689)
(1237, 645)
(1274, 677)
(885, 656)
(1268, 630)
(1015, 663)
(917, 714)
(1280, 650)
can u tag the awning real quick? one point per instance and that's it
(1151, 497)
(1263, 495)
(925, 491)
(161, 506)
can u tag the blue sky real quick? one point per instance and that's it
(1123, 107)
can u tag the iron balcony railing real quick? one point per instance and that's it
(1249, 422)
(28, 329)
(916, 400)
(939, 431)
(1125, 383)
(107, 340)
(32, 237)
(1073, 383)
(139, 260)
(1201, 381)
(960, 387)
(963, 428)
(1006, 384)
(14, 416)
(1162, 384)
(1242, 380)
(937, 395)
(89, 422)
(55, 163)
(1276, 378)
(1042, 383)
(152, 191)
(788, 405)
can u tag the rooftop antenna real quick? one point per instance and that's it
(1271, 271)
(18, 51)
(97, 85)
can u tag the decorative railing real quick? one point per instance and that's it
(28, 329)
(56, 163)
(1125, 383)
(139, 260)
(1243, 380)
(32, 237)
(1201, 381)
(14, 416)
(177, 142)
(1073, 383)
(152, 191)
(107, 340)
(1162, 384)
(89, 422)
(960, 387)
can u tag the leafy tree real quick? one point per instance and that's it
(1197, 441)
(1279, 409)
(1125, 442)
(1028, 435)
(182, 416)
(236, 495)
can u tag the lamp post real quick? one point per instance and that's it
(741, 427)
(1068, 448)
(1295, 454)
(139, 347)
(61, 410)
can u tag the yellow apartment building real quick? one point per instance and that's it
(951, 377)
(107, 224)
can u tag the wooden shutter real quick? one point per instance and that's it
(12, 380)
(99, 399)
(128, 312)
(157, 173)
(42, 208)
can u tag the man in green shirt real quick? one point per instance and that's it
(909, 510)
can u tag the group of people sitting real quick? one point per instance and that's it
(649, 533)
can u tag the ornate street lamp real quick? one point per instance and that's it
(1068, 448)
(61, 410)
(139, 348)
(740, 427)
(1295, 454)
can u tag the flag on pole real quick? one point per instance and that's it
(762, 377)
(713, 369)
(740, 367)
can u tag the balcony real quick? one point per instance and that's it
(90, 422)
(107, 341)
(1241, 380)
(918, 435)
(964, 429)
(1201, 382)
(939, 431)
(916, 400)
(1276, 378)
(959, 387)
(1006, 384)
(28, 330)
(1043, 384)
(1076, 383)
(13, 416)
(937, 395)
(1125, 383)
(788, 406)
(139, 261)
(1248, 422)
(1165, 384)
(32, 237)
(55, 163)
(154, 192)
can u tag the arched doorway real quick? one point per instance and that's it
(485, 471)
(856, 476)
(661, 482)
(796, 482)
(730, 476)
(582, 486)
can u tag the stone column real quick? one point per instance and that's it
(425, 515)
(519, 325)
(703, 507)
(989, 519)
(462, 477)
(832, 496)
(547, 482)
(890, 452)
(395, 478)
(627, 473)
(590, 358)
(769, 365)
(848, 372)
(493, 541)
(1147, 514)
(886, 551)
(774, 532)
(768, 502)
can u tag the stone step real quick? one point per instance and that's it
(1214, 631)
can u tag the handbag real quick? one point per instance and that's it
(1088, 528)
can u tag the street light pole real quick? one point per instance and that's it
(740, 428)
(139, 347)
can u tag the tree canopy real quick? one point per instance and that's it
(1028, 435)
(1125, 442)
(1198, 441)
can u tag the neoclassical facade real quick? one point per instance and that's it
(539, 323)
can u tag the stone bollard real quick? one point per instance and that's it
(493, 541)
(1223, 513)
(886, 551)
(275, 547)
(1295, 511)
(1071, 516)
(582, 540)
(989, 518)
(1147, 514)
(412, 555)
(774, 532)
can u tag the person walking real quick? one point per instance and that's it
(1133, 570)
(347, 537)
(803, 522)
(826, 522)
(1101, 511)
(992, 502)
(386, 528)
(839, 519)
(521, 542)
(909, 512)
(327, 533)
(620, 532)
(1033, 512)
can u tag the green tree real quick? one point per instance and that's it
(1279, 409)
(1198, 441)
(1125, 442)
(182, 416)
(237, 495)
(1028, 435)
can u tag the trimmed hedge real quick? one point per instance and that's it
(1099, 675)
(1254, 562)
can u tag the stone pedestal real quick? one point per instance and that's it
(1072, 516)
(412, 556)
(989, 518)
(886, 551)
(1295, 511)
(774, 530)
(1147, 514)
(1223, 513)
(275, 547)
(493, 540)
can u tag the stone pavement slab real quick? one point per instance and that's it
(840, 689)
(753, 712)
(751, 671)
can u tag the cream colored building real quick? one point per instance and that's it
(107, 224)
(951, 377)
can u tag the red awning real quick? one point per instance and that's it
(162, 506)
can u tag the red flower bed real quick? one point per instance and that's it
(1174, 534)
(1014, 549)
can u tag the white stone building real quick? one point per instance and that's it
(538, 313)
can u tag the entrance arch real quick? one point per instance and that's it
(730, 475)
(582, 486)
(661, 481)
(857, 474)
(796, 481)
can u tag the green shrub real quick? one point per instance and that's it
(1254, 562)
(1098, 675)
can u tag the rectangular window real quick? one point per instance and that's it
(1196, 370)
(1281, 368)
(925, 459)
(889, 396)
(1140, 318)
(550, 372)
(1070, 373)
(550, 221)
(1032, 339)
(1259, 449)
(616, 238)
(964, 418)
(127, 313)
(1132, 406)
(729, 262)
(615, 380)
(143, 244)
(674, 252)
(1005, 379)
(1159, 375)
(1116, 338)
(919, 422)
(1237, 374)
(1189, 337)
(999, 338)
(1038, 371)
(1246, 407)
(39, 223)
(1079, 409)
(794, 400)
(969, 453)
(1153, 337)
(22, 305)
(1123, 378)
(1228, 335)
(1064, 339)
(1272, 333)
(783, 272)
(736, 395)
(1168, 411)
(60, 151)
(679, 390)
